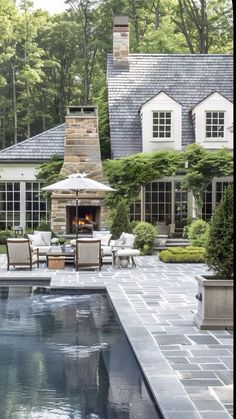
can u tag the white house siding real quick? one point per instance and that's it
(214, 102)
(161, 102)
(18, 172)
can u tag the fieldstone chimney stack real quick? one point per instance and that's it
(81, 154)
(82, 147)
(121, 42)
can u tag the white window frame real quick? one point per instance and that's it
(217, 138)
(171, 125)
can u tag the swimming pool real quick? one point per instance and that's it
(65, 356)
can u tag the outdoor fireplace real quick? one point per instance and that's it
(88, 219)
(81, 154)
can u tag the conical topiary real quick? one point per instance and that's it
(219, 247)
(120, 222)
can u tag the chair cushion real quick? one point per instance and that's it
(106, 250)
(129, 240)
(46, 236)
(128, 252)
(122, 238)
(117, 242)
(36, 239)
(42, 249)
(104, 236)
(105, 240)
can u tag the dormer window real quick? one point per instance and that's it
(161, 124)
(215, 123)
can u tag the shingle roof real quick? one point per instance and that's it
(41, 147)
(186, 78)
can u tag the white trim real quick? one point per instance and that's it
(22, 205)
(208, 97)
(215, 138)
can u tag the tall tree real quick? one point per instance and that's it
(202, 22)
(31, 71)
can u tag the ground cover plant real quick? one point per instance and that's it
(188, 254)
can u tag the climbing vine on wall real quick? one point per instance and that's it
(128, 174)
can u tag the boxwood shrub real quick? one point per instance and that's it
(4, 234)
(145, 234)
(198, 233)
(187, 254)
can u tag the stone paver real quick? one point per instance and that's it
(188, 370)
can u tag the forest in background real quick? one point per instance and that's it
(48, 62)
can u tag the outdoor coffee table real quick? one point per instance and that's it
(58, 255)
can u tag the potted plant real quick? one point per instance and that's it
(215, 292)
(55, 241)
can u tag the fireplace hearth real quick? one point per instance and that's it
(88, 219)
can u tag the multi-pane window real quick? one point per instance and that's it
(158, 202)
(181, 205)
(135, 211)
(36, 207)
(215, 122)
(207, 203)
(161, 124)
(9, 204)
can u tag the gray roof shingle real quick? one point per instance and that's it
(41, 147)
(186, 78)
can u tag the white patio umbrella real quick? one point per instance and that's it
(78, 182)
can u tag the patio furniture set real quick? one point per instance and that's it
(87, 252)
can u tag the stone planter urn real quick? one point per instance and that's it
(160, 240)
(215, 303)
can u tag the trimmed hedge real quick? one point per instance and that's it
(4, 235)
(187, 254)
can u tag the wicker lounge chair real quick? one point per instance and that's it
(20, 254)
(88, 254)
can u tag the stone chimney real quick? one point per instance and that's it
(121, 42)
(82, 148)
(81, 154)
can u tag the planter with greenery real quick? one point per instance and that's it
(215, 292)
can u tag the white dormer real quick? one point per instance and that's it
(161, 119)
(213, 117)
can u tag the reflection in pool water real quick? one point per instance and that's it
(66, 357)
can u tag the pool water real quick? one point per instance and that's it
(65, 356)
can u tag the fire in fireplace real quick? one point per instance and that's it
(85, 225)
(88, 219)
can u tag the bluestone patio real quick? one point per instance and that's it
(188, 370)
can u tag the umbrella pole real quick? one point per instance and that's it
(76, 212)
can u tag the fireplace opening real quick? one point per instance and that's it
(88, 219)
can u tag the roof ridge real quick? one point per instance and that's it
(29, 139)
(177, 55)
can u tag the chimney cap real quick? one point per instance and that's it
(121, 20)
(81, 110)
